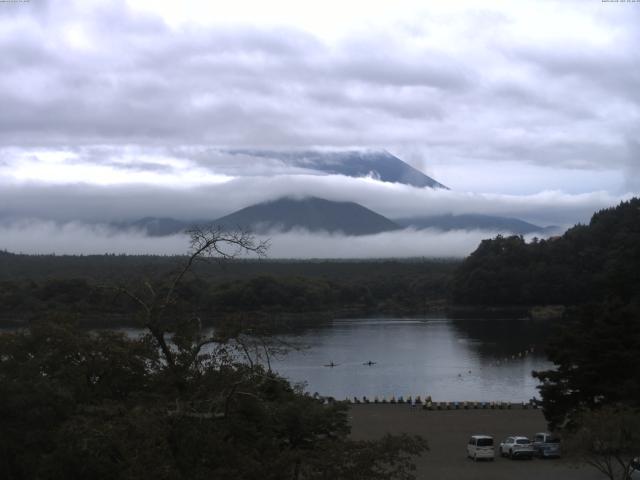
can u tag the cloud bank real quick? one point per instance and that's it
(37, 237)
(106, 203)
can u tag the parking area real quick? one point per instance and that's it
(448, 432)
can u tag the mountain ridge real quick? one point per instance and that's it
(472, 221)
(310, 213)
(380, 164)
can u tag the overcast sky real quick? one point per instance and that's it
(115, 108)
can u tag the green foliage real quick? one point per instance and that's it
(267, 292)
(78, 404)
(597, 362)
(270, 289)
(54, 372)
(588, 263)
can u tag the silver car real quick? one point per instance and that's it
(546, 445)
(517, 447)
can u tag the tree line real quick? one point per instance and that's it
(588, 263)
(95, 302)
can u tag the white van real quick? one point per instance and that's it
(480, 446)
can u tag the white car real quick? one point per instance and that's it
(480, 446)
(517, 447)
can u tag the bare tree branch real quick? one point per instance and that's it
(207, 242)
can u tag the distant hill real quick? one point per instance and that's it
(474, 222)
(313, 214)
(353, 163)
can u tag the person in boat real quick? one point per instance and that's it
(369, 363)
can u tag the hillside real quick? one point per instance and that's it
(311, 213)
(473, 222)
(588, 263)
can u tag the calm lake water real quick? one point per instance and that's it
(451, 360)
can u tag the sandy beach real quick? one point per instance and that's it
(448, 431)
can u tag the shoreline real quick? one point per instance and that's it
(283, 321)
(433, 406)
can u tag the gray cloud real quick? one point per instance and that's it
(376, 61)
(632, 170)
(105, 74)
(611, 70)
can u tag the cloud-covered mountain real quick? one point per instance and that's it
(378, 164)
(321, 215)
(285, 214)
(475, 222)
(312, 214)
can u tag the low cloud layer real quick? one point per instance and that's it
(98, 204)
(36, 237)
(405, 243)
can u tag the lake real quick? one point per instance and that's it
(451, 360)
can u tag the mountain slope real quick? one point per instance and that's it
(473, 222)
(313, 214)
(353, 163)
(588, 263)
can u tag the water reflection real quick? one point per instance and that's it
(504, 337)
(450, 360)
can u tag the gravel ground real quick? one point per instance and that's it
(448, 432)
